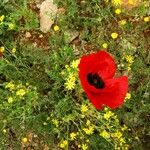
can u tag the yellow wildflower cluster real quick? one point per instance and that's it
(55, 122)
(120, 140)
(20, 92)
(117, 134)
(73, 136)
(72, 75)
(84, 147)
(75, 63)
(89, 130)
(56, 28)
(10, 99)
(118, 11)
(84, 108)
(130, 60)
(70, 83)
(117, 2)
(10, 85)
(105, 134)
(128, 96)
(16, 91)
(108, 115)
(122, 22)
(24, 140)
(2, 49)
(14, 50)
(124, 128)
(105, 45)
(64, 144)
(114, 35)
(112, 131)
(146, 19)
(1, 19)
(11, 26)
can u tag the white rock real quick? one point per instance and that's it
(28, 35)
(48, 11)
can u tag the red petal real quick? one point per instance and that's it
(100, 62)
(113, 95)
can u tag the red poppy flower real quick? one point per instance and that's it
(96, 73)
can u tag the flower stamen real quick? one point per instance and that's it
(95, 80)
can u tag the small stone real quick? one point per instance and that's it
(34, 44)
(28, 35)
(71, 35)
(48, 11)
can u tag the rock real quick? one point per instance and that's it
(48, 11)
(28, 35)
(71, 35)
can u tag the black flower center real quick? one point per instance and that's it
(95, 80)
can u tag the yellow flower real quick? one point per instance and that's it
(64, 144)
(73, 135)
(4, 130)
(75, 63)
(122, 22)
(70, 85)
(105, 45)
(117, 2)
(66, 66)
(10, 86)
(129, 59)
(122, 140)
(2, 49)
(84, 108)
(118, 11)
(124, 128)
(108, 114)
(14, 50)
(117, 135)
(105, 134)
(24, 140)
(11, 26)
(128, 96)
(56, 28)
(71, 77)
(146, 19)
(114, 35)
(2, 18)
(84, 147)
(129, 68)
(83, 116)
(89, 130)
(88, 122)
(20, 92)
(10, 100)
(55, 122)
